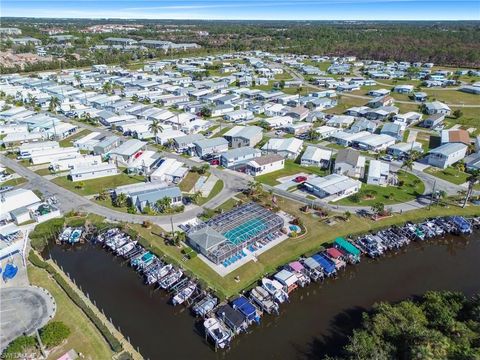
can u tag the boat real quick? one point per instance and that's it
(336, 256)
(9, 272)
(313, 268)
(235, 320)
(184, 294)
(299, 270)
(462, 226)
(204, 306)
(247, 309)
(217, 332)
(65, 235)
(264, 300)
(126, 248)
(327, 265)
(75, 236)
(348, 248)
(170, 279)
(275, 289)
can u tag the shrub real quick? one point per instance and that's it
(355, 198)
(45, 232)
(20, 346)
(54, 333)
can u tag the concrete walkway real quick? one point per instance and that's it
(208, 185)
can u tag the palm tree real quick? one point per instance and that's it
(195, 197)
(254, 187)
(460, 166)
(313, 134)
(121, 200)
(164, 204)
(102, 195)
(77, 78)
(178, 237)
(107, 87)
(155, 128)
(415, 155)
(54, 103)
(407, 164)
(472, 180)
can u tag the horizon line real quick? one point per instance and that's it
(246, 19)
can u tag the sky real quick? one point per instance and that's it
(246, 9)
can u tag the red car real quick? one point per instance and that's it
(300, 179)
(215, 162)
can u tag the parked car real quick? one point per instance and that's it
(386, 158)
(300, 179)
(215, 162)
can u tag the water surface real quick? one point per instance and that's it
(314, 323)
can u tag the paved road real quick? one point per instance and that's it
(71, 201)
(24, 310)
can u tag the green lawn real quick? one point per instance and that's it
(94, 186)
(14, 182)
(215, 191)
(227, 205)
(335, 146)
(84, 336)
(291, 168)
(222, 131)
(411, 188)
(189, 181)
(43, 172)
(345, 102)
(469, 117)
(453, 97)
(449, 174)
(69, 140)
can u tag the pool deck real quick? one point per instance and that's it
(251, 256)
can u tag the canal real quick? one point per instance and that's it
(315, 322)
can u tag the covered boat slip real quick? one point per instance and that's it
(327, 265)
(246, 308)
(234, 319)
(347, 247)
(262, 298)
(287, 279)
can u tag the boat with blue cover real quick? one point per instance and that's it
(462, 226)
(327, 266)
(9, 272)
(247, 309)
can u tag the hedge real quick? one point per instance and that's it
(72, 294)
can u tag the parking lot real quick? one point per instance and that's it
(23, 310)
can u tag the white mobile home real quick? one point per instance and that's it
(47, 156)
(447, 154)
(332, 187)
(93, 172)
(314, 156)
(378, 173)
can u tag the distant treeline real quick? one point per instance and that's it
(444, 43)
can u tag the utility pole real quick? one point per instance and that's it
(433, 193)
